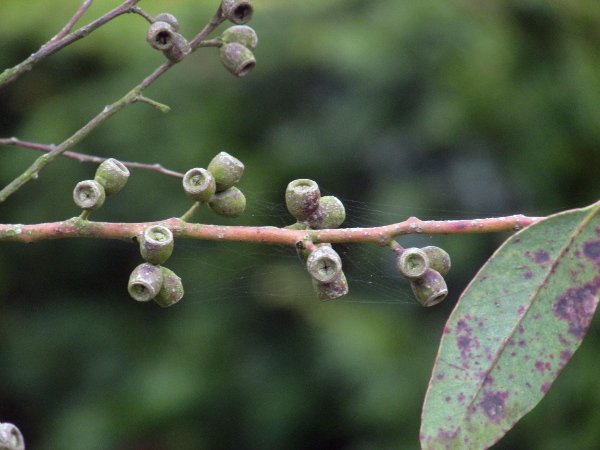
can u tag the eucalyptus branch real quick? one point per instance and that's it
(55, 45)
(77, 228)
(71, 23)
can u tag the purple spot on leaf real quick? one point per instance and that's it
(577, 306)
(542, 366)
(565, 355)
(528, 275)
(541, 256)
(591, 250)
(447, 399)
(545, 387)
(493, 405)
(440, 376)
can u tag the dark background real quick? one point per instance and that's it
(431, 108)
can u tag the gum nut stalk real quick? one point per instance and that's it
(241, 34)
(199, 184)
(89, 195)
(237, 59)
(226, 169)
(156, 244)
(145, 282)
(237, 11)
(228, 203)
(329, 214)
(302, 198)
(324, 264)
(172, 289)
(113, 175)
(11, 437)
(430, 289)
(170, 19)
(161, 35)
(439, 259)
(412, 263)
(179, 50)
(329, 291)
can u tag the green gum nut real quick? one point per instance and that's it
(412, 263)
(172, 289)
(241, 34)
(438, 259)
(89, 195)
(161, 35)
(430, 289)
(113, 175)
(226, 169)
(145, 282)
(302, 198)
(329, 291)
(170, 19)
(329, 214)
(156, 244)
(237, 59)
(179, 50)
(324, 264)
(237, 11)
(199, 184)
(228, 203)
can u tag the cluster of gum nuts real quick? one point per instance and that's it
(213, 186)
(235, 44)
(424, 268)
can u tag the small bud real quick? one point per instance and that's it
(179, 50)
(89, 195)
(156, 244)
(241, 34)
(145, 282)
(324, 264)
(226, 169)
(430, 289)
(172, 289)
(228, 203)
(113, 175)
(237, 11)
(199, 184)
(237, 59)
(170, 19)
(161, 35)
(438, 259)
(329, 291)
(329, 214)
(11, 437)
(302, 198)
(412, 263)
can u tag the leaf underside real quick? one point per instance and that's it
(512, 331)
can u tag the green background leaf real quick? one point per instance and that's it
(513, 330)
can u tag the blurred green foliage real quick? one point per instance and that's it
(429, 108)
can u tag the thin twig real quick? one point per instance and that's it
(67, 28)
(80, 157)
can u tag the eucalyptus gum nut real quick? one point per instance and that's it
(329, 214)
(412, 263)
(161, 35)
(324, 264)
(170, 19)
(228, 203)
(179, 50)
(302, 198)
(145, 282)
(89, 195)
(226, 169)
(430, 289)
(438, 259)
(113, 175)
(237, 11)
(199, 184)
(329, 291)
(241, 34)
(237, 59)
(11, 437)
(172, 289)
(156, 244)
